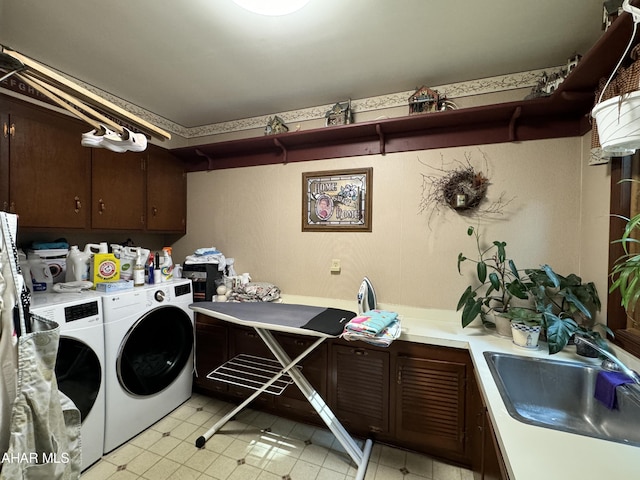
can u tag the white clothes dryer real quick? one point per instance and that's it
(80, 367)
(149, 340)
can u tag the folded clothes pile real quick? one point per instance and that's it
(208, 255)
(377, 327)
(255, 292)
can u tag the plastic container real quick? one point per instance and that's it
(41, 277)
(166, 264)
(56, 258)
(77, 265)
(138, 270)
(26, 270)
(96, 248)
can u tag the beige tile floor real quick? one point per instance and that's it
(254, 446)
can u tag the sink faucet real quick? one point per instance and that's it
(611, 362)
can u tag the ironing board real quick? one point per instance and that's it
(296, 319)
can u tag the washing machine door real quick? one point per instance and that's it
(78, 373)
(155, 351)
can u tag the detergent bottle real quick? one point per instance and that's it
(96, 248)
(166, 264)
(41, 276)
(77, 265)
(26, 270)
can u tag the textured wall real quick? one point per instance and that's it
(254, 215)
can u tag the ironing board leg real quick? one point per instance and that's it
(360, 457)
(201, 440)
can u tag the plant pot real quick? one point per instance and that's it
(502, 324)
(525, 336)
(618, 121)
(585, 350)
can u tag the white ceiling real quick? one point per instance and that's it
(198, 62)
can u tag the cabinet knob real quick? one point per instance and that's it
(101, 207)
(359, 351)
(12, 207)
(78, 204)
(154, 211)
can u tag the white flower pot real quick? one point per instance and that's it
(618, 122)
(502, 323)
(525, 336)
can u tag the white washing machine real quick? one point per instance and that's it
(149, 339)
(80, 367)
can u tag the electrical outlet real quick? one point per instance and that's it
(335, 265)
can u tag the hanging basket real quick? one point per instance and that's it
(618, 121)
(617, 111)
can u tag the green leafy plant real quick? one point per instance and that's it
(625, 274)
(526, 316)
(565, 303)
(498, 281)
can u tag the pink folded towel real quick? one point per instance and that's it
(606, 384)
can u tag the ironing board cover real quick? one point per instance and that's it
(292, 318)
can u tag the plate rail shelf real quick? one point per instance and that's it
(565, 113)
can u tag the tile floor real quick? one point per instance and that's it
(254, 446)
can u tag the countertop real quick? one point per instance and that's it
(530, 452)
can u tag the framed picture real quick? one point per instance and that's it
(337, 201)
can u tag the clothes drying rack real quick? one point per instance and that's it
(266, 375)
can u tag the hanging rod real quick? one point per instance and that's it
(49, 76)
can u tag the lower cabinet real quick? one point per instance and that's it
(487, 461)
(359, 388)
(292, 403)
(210, 352)
(430, 399)
(410, 395)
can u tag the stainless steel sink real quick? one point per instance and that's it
(559, 395)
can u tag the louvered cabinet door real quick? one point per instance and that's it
(430, 404)
(359, 393)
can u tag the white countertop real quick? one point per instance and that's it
(530, 452)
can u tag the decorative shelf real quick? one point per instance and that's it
(563, 114)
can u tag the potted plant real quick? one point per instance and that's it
(616, 110)
(526, 324)
(498, 282)
(566, 304)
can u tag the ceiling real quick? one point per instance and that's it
(199, 62)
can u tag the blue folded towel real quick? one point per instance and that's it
(606, 384)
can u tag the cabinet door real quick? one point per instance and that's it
(246, 341)
(359, 392)
(314, 368)
(118, 186)
(211, 351)
(430, 403)
(4, 157)
(166, 192)
(49, 170)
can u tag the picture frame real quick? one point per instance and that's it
(337, 201)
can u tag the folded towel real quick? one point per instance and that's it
(383, 339)
(371, 322)
(606, 384)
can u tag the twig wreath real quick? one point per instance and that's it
(462, 188)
